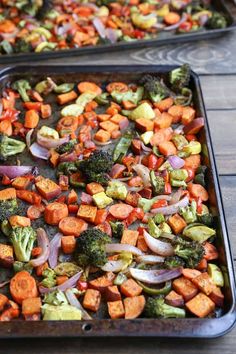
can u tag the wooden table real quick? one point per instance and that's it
(215, 61)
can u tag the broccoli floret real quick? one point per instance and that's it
(146, 204)
(66, 168)
(22, 239)
(179, 78)
(174, 262)
(217, 20)
(189, 213)
(117, 229)
(184, 98)
(158, 183)
(153, 229)
(21, 86)
(22, 46)
(206, 219)
(7, 208)
(191, 251)
(96, 167)
(49, 280)
(9, 147)
(156, 307)
(90, 248)
(66, 147)
(155, 88)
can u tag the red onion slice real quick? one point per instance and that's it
(111, 34)
(113, 266)
(4, 283)
(119, 247)
(28, 138)
(117, 170)
(75, 302)
(159, 247)
(179, 129)
(155, 276)
(43, 242)
(176, 162)
(70, 283)
(39, 151)
(50, 143)
(124, 123)
(15, 171)
(176, 197)
(145, 148)
(143, 172)
(172, 209)
(99, 27)
(55, 245)
(86, 198)
(150, 259)
(99, 143)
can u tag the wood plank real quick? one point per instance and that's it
(223, 132)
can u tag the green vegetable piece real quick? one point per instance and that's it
(117, 229)
(60, 313)
(22, 239)
(191, 251)
(6, 46)
(189, 213)
(66, 147)
(217, 20)
(200, 179)
(5, 225)
(155, 89)
(130, 95)
(156, 291)
(206, 219)
(7, 208)
(176, 183)
(102, 200)
(45, 46)
(72, 110)
(144, 110)
(146, 137)
(66, 168)
(21, 86)
(158, 218)
(174, 262)
(165, 228)
(180, 141)
(102, 99)
(56, 298)
(43, 32)
(49, 280)
(66, 268)
(142, 21)
(119, 279)
(179, 174)
(116, 190)
(158, 183)
(184, 98)
(146, 204)
(122, 146)
(153, 229)
(85, 98)
(155, 307)
(180, 77)
(215, 274)
(19, 266)
(198, 232)
(64, 88)
(193, 148)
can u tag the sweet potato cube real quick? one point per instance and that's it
(204, 283)
(165, 104)
(129, 237)
(188, 115)
(130, 288)
(164, 121)
(102, 282)
(21, 182)
(167, 148)
(217, 297)
(177, 223)
(68, 244)
(112, 293)
(132, 198)
(134, 306)
(8, 193)
(103, 117)
(18, 220)
(102, 135)
(3, 301)
(31, 306)
(94, 188)
(92, 300)
(6, 255)
(117, 118)
(87, 212)
(48, 188)
(174, 299)
(201, 305)
(109, 126)
(116, 309)
(185, 288)
(144, 125)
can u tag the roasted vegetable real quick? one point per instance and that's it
(217, 20)
(191, 251)
(8, 207)
(155, 307)
(155, 88)
(21, 86)
(174, 262)
(117, 229)
(179, 78)
(158, 183)
(22, 239)
(10, 147)
(66, 147)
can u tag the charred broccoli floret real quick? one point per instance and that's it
(174, 262)
(117, 229)
(21, 86)
(179, 78)
(7, 208)
(9, 147)
(21, 46)
(66, 147)
(66, 168)
(90, 248)
(191, 251)
(155, 88)
(217, 20)
(96, 167)
(156, 307)
(22, 239)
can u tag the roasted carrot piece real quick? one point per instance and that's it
(92, 300)
(198, 191)
(101, 216)
(120, 211)
(72, 225)
(116, 134)
(55, 212)
(163, 121)
(3, 301)
(116, 309)
(36, 251)
(67, 124)
(6, 127)
(87, 212)
(130, 237)
(201, 305)
(171, 18)
(188, 115)
(103, 117)
(46, 111)
(117, 86)
(68, 244)
(8, 193)
(177, 223)
(185, 288)
(202, 265)
(141, 244)
(217, 297)
(23, 286)
(130, 288)
(192, 161)
(66, 97)
(40, 269)
(17, 220)
(11, 312)
(7, 26)
(86, 86)
(60, 279)
(134, 306)
(35, 211)
(31, 306)
(161, 135)
(31, 119)
(109, 126)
